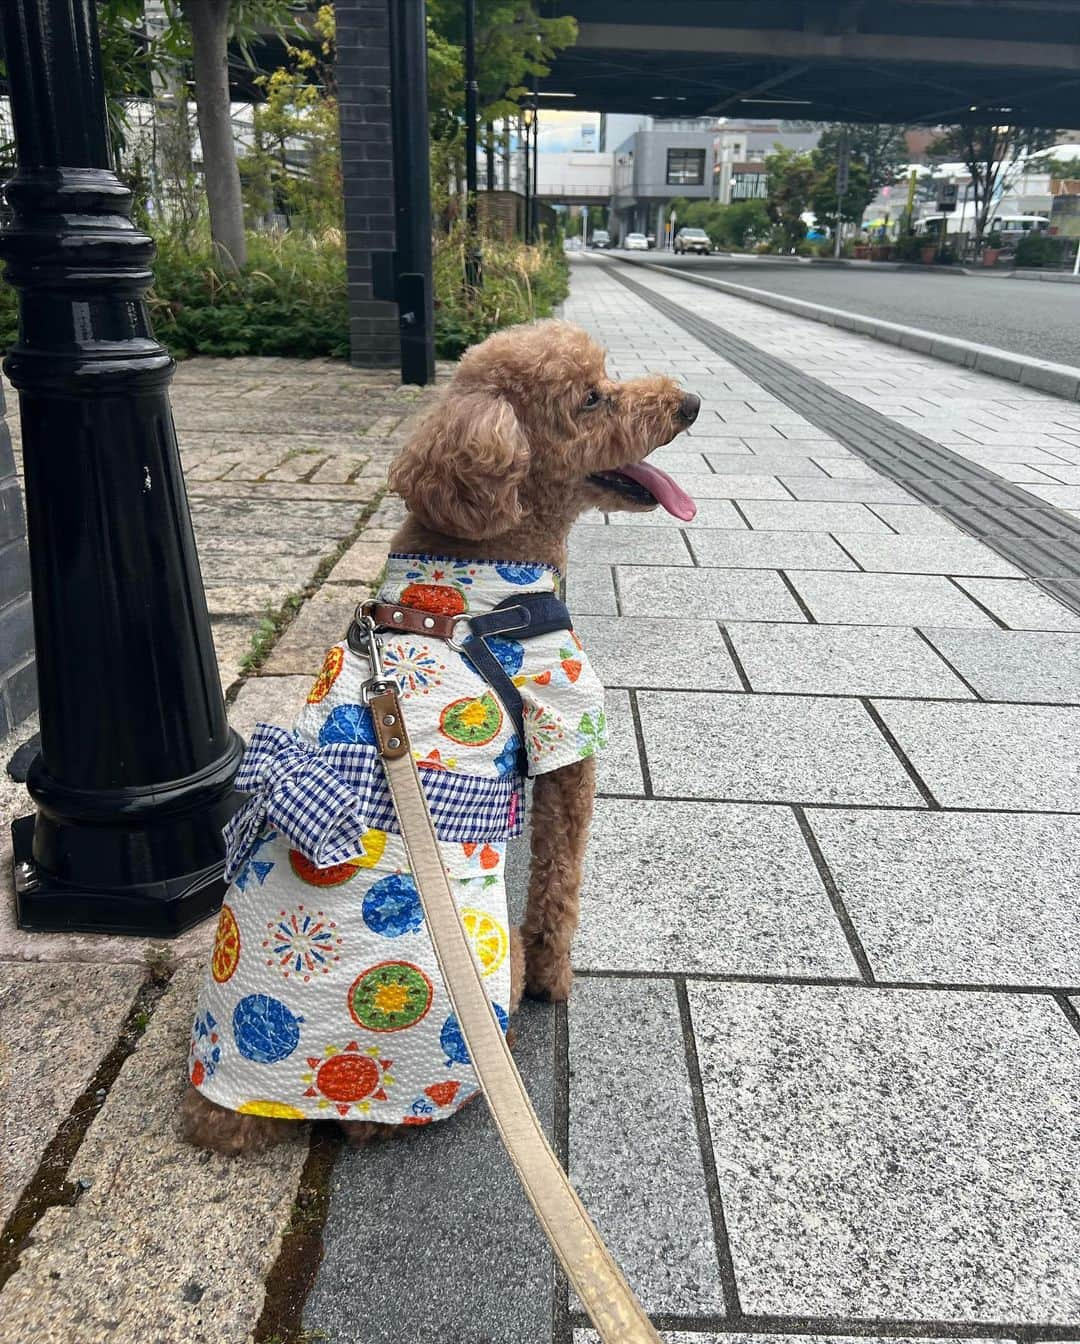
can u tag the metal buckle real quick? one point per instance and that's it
(452, 639)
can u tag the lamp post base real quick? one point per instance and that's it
(161, 909)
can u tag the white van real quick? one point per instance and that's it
(1011, 227)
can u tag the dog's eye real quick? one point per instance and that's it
(592, 400)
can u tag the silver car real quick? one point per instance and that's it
(636, 242)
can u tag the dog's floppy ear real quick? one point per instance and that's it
(461, 470)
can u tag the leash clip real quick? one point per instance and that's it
(365, 629)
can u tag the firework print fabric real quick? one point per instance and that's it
(323, 998)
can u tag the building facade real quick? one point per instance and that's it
(698, 160)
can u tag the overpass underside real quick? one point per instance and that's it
(909, 61)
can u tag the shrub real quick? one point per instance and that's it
(288, 300)
(519, 283)
(1040, 250)
(908, 247)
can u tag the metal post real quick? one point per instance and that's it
(842, 169)
(133, 781)
(527, 144)
(473, 274)
(413, 286)
(537, 235)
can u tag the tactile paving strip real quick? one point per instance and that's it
(1042, 541)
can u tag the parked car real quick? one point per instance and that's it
(600, 238)
(692, 240)
(636, 242)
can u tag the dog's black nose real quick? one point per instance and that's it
(689, 407)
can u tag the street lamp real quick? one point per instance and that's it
(527, 115)
(133, 781)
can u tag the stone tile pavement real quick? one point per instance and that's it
(818, 1076)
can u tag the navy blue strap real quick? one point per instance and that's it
(522, 617)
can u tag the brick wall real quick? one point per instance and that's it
(363, 77)
(18, 686)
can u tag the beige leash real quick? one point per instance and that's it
(607, 1297)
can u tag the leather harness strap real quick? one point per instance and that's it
(525, 617)
(614, 1310)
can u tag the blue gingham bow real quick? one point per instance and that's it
(317, 797)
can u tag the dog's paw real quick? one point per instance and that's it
(550, 984)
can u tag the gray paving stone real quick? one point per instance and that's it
(916, 520)
(1020, 604)
(1064, 496)
(634, 1154)
(275, 700)
(703, 485)
(61, 1021)
(843, 660)
(685, 458)
(992, 756)
(671, 653)
(690, 888)
(797, 516)
(846, 467)
(758, 464)
(869, 489)
(961, 898)
(719, 595)
(710, 513)
(431, 1237)
(597, 545)
(923, 555)
(772, 748)
(696, 1337)
(1015, 664)
(897, 1154)
(166, 1243)
(767, 550)
(618, 766)
(888, 599)
(321, 621)
(590, 589)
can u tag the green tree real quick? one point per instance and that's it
(991, 155)
(881, 149)
(300, 105)
(823, 198)
(204, 29)
(513, 44)
(790, 180)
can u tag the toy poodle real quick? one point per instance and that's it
(323, 999)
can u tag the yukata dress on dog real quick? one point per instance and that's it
(324, 999)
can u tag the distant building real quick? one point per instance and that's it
(699, 159)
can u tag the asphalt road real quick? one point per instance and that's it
(1027, 317)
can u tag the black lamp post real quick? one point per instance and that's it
(134, 778)
(473, 262)
(526, 119)
(411, 285)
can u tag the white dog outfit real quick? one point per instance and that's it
(323, 999)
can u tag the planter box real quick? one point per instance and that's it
(990, 256)
(927, 255)
(881, 252)
(862, 252)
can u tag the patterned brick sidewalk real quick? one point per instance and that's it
(818, 1075)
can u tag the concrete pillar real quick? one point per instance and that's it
(363, 74)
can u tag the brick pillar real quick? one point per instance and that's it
(363, 77)
(18, 684)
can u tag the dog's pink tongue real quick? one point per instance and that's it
(660, 485)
